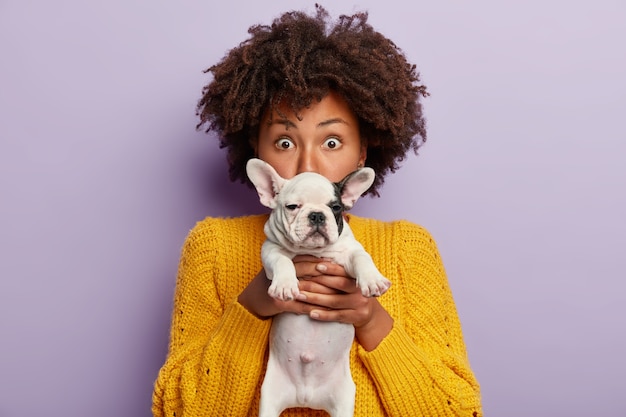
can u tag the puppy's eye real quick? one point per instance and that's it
(336, 208)
(291, 206)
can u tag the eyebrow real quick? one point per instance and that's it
(332, 121)
(288, 123)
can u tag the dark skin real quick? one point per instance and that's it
(323, 138)
(327, 294)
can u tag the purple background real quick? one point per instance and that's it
(102, 174)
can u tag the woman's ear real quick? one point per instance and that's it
(363, 154)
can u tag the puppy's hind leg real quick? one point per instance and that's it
(277, 391)
(343, 401)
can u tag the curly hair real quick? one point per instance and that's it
(303, 57)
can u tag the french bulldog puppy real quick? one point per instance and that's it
(308, 364)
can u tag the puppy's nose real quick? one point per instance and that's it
(316, 218)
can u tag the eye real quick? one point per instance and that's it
(284, 143)
(291, 206)
(336, 208)
(332, 143)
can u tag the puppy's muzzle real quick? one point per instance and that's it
(317, 218)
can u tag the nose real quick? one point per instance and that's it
(316, 218)
(307, 162)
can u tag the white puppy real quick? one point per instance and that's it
(309, 363)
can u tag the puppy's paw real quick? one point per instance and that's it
(285, 290)
(373, 286)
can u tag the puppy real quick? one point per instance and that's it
(308, 363)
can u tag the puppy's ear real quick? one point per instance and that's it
(355, 184)
(266, 181)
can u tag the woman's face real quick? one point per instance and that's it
(325, 139)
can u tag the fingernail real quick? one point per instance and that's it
(301, 297)
(321, 267)
(314, 315)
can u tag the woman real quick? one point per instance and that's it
(306, 94)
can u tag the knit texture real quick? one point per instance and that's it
(218, 350)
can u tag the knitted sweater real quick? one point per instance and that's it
(218, 350)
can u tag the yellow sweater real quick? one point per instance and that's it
(218, 350)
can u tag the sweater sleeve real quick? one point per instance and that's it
(421, 367)
(216, 348)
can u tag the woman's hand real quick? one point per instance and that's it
(258, 302)
(327, 293)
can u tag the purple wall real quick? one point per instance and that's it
(102, 175)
